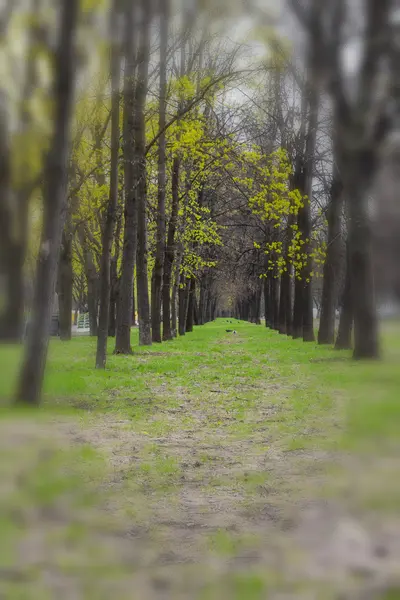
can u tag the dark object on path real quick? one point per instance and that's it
(231, 331)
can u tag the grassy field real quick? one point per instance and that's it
(216, 466)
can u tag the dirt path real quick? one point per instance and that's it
(183, 516)
(200, 499)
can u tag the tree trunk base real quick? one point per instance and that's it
(308, 336)
(366, 354)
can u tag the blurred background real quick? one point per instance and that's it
(167, 163)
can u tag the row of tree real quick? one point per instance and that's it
(189, 177)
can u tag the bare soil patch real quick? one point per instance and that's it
(175, 515)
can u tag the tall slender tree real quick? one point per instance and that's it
(345, 329)
(54, 200)
(363, 122)
(326, 332)
(146, 7)
(157, 279)
(125, 310)
(14, 217)
(111, 208)
(311, 139)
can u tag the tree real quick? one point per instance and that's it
(125, 310)
(344, 335)
(157, 279)
(110, 211)
(54, 197)
(363, 122)
(141, 174)
(20, 178)
(65, 283)
(311, 138)
(326, 333)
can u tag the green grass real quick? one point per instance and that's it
(190, 440)
(203, 366)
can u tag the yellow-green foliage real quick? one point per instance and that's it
(266, 182)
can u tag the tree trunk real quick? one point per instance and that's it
(196, 315)
(285, 298)
(174, 308)
(190, 310)
(133, 304)
(343, 340)
(126, 309)
(366, 344)
(12, 253)
(65, 284)
(54, 199)
(258, 304)
(141, 187)
(113, 297)
(210, 308)
(187, 298)
(93, 303)
(110, 216)
(274, 300)
(14, 229)
(12, 318)
(92, 282)
(311, 141)
(297, 326)
(174, 296)
(326, 333)
(170, 252)
(214, 309)
(284, 325)
(182, 304)
(202, 301)
(289, 304)
(267, 301)
(157, 279)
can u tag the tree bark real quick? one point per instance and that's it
(274, 302)
(141, 187)
(14, 227)
(133, 304)
(196, 315)
(54, 199)
(170, 252)
(343, 340)
(11, 320)
(297, 326)
(258, 304)
(92, 281)
(110, 216)
(93, 298)
(157, 279)
(174, 296)
(65, 284)
(214, 305)
(326, 333)
(284, 326)
(126, 310)
(202, 300)
(113, 297)
(267, 302)
(311, 141)
(190, 302)
(366, 344)
(114, 282)
(182, 304)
